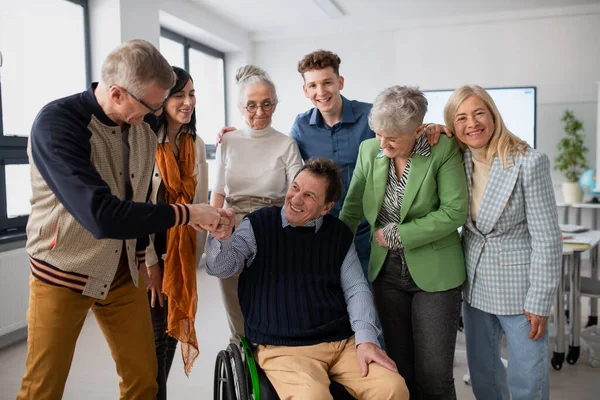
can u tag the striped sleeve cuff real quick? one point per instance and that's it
(141, 256)
(182, 214)
(392, 237)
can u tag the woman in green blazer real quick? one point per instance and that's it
(415, 198)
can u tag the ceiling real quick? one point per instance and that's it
(270, 18)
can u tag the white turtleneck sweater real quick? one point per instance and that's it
(481, 173)
(256, 163)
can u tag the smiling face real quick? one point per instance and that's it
(322, 87)
(305, 199)
(473, 123)
(259, 95)
(131, 110)
(180, 106)
(396, 145)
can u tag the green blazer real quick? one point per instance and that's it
(435, 205)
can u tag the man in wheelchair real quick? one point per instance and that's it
(306, 303)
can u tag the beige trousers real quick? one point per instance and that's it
(304, 372)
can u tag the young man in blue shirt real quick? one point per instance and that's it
(333, 129)
(336, 127)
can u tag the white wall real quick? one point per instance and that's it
(115, 21)
(559, 55)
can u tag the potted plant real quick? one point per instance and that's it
(571, 160)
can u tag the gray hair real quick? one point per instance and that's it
(249, 75)
(135, 65)
(398, 109)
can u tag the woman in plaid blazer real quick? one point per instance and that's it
(512, 245)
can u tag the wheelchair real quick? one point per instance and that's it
(238, 377)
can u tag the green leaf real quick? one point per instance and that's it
(571, 160)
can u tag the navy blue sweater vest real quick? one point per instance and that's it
(291, 294)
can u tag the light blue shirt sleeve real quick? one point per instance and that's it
(361, 307)
(225, 258)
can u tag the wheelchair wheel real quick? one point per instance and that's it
(224, 386)
(240, 372)
(252, 377)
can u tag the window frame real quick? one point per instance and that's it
(13, 149)
(192, 44)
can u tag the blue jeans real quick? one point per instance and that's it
(526, 377)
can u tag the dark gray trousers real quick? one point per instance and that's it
(419, 329)
(165, 346)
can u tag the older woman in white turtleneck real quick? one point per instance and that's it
(255, 166)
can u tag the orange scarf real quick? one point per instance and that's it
(179, 277)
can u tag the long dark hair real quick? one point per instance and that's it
(182, 79)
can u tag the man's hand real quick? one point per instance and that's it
(222, 132)
(203, 217)
(538, 325)
(368, 353)
(225, 228)
(380, 238)
(433, 132)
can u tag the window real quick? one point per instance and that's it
(33, 72)
(173, 51)
(207, 68)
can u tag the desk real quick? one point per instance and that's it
(565, 219)
(593, 317)
(590, 206)
(571, 266)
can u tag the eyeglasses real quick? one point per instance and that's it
(266, 106)
(142, 102)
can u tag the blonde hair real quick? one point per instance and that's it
(251, 74)
(502, 143)
(135, 65)
(398, 109)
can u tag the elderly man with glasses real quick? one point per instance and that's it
(91, 158)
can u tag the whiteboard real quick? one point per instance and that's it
(517, 106)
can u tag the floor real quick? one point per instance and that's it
(93, 375)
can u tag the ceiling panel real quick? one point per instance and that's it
(269, 16)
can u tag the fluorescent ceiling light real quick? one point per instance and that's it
(329, 8)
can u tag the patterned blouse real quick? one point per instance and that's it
(389, 214)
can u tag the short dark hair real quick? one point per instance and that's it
(329, 170)
(320, 59)
(183, 77)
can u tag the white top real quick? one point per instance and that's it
(256, 163)
(481, 173)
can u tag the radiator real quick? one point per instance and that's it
(14, 290)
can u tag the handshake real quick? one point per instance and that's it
(217, 221)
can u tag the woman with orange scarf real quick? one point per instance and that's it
(180, 176)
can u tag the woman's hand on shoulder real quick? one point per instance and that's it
(222, 133)
(433, 132)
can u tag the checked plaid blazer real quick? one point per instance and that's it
(513, 253)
